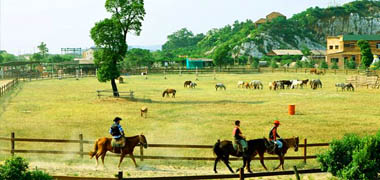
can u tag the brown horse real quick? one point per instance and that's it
(169, 91)
(102, 145)
(187, 84)
(259, 146)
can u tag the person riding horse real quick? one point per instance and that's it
(239, 139)
(117, 134)
(273, 135)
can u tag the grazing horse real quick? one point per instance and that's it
(344, 86)
(304, 82)
(272, 85)
(259, 146)
(340, 85)
(246, 85)
(240, 84)
(169, 91)
(313, 70)
(287, 83)
(220, 85)
(102, 145)
(256, 84)
(315, 83)
(296, 84)
(187, 84)
(349, 87)
(193, 84)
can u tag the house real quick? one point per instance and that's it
(344, 47)
(274, 15)
(269, 18)
(193, 63)
(283, 52)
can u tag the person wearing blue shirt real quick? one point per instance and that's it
(117, 133)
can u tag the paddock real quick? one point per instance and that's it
(62, 109)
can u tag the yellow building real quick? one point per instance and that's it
(344, 47)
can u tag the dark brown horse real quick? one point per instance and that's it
(169, 91)
(223, 150)
(259, 146)
(102, 145)
(187, 84)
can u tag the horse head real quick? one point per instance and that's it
(143, 141)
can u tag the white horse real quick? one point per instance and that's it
(193, 84)
(296, 84)
(256, 84)
(240, 84)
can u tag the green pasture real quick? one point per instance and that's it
(63, 109)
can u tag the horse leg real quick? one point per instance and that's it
(103, 156)
(262, 161)
(226, 162)
(249, 165)
(216, 162)
(282, 162)
(244, 164)
(279, 157)
(121, 159)
(133, 159)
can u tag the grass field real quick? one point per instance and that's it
(65, 108)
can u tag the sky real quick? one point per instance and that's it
(24, 24)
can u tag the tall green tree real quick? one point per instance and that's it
(139, 57)
(221, 55)
(110, 36)
(365, 51)
(43, 49)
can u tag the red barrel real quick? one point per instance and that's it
(291, 109)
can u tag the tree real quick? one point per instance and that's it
(43, 49)
(221, 55)
(274, 64)
(324, 65)
(351, 64)
(365, 51)
(305, 51)
(37, 57)
(298, 64)
(110, 37)
(139, 57)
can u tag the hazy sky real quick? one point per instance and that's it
(66, 23)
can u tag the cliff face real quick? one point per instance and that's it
(352, 24)
(334, 26)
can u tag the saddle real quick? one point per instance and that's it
(238, 148)
(272, 148)
(118, 144)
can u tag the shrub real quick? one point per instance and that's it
(351, 64)
(298, 64)
(324, 65)
(334, 65)
(274, 64)
(16, 168)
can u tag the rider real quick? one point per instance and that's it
(273, 135)
(117, 132)
(239, 138)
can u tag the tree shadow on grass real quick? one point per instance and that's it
(196, 102)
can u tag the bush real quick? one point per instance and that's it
(334, 65)
(274, 64)
(351, 64)
(16, 168)
(324, 65)
(298, 64)
(353, 157)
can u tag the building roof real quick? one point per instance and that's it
(276, 14)
(282, 52)
(318, 52)
(200, 59)
(260, 21)
(368, 37)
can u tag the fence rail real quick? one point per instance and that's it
(8, 86)
(81, 152)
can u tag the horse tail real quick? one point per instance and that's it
(92, 153)
(217, 150)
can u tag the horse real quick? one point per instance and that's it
(169, 91)
(313, 70)
(220, 85)
(240, 84)
(144, 111)
(223, 150)
(186, 84)
(315, 83)
(256, 84)
(287, 83)
(259, 146)
(296, 83)
(247, 86)
(349, 87)
(340, 85)
(193, 84)
(304, 82)
(272, 85)
(102, 145)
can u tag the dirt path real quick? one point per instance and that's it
(85, 170)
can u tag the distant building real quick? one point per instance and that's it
(283, 52)
(77, 52)
(193, 63)
(274, 15)
(344, 47)
(269, 18)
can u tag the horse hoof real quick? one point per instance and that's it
(216, 172)
(250, 172)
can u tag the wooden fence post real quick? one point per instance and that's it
(296, 172)
(120, 175)
(81, 145)
(305, 150)
(141, 152)
(241, 174)
(13, 143)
